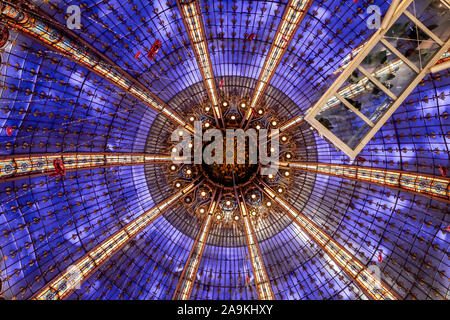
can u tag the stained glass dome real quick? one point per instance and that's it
(93, 206)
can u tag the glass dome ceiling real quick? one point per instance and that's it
(86, 182)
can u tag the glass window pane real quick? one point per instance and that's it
(434, 15)
(345, 124)
(411, 41)
(380, 57)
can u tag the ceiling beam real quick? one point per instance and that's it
(353, 90)
(20, 166)
(371, 286)
(191, 14)
(262, 283)
(293, 16)
(60, 287)
(66, 44)
(186, 282)
(430, 186)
